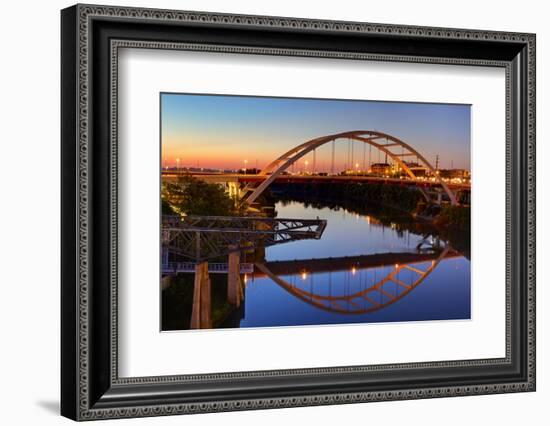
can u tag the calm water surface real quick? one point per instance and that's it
(442, 294)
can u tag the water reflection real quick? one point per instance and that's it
(361, 270)
(360, 295)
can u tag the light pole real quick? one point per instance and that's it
(177, 163)
(356, 168)
(305, 166)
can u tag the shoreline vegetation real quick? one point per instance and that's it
(452, 224)
(402, 199)
(401, 208)
(191, 196)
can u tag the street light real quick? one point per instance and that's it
(245, 163)
(356, 168)
(177, 163)
(305, 168)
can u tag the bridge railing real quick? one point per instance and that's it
(213, 267)
(208, 237)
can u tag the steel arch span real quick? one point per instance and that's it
(384, 142)
(364, 301)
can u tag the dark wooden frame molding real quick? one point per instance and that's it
(90, 38)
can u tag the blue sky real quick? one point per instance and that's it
(223, 131)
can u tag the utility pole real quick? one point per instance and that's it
(332, 161)
(348, 155)
(314, 159)
(370, 156)
(352, 162)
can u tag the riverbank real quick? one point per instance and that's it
(397, 197)
(391, 206)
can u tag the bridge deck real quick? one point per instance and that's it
(294, 267)
(242, 178)
(213, 268)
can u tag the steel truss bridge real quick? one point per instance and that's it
(201, 238)
(376, 296)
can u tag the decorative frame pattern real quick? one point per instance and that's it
(87, 404)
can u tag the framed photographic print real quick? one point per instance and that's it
(263, 212)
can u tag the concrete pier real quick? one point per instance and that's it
(201, 316)
(234, 285)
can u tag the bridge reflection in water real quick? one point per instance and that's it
(376, 295)
(394, 274)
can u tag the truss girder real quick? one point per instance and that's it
(208, 237)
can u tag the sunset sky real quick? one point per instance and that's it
(223, 131)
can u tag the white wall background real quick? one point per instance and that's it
(29, 211)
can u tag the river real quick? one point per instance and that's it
(327, 297)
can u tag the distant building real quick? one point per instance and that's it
(380, 168)
(417, 169)
(454, 173)
(248, 171)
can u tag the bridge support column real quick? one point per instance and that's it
(201, 316)
(166, 282)
(164, 259)
(234, 286)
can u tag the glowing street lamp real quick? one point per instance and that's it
(356, 168)
(305, 168)
(245, 163)
(177, 163)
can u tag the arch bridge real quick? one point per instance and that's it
(391, 146)
(373, 298)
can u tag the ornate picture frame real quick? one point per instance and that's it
(91, 37)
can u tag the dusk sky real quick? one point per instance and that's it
(223, 131)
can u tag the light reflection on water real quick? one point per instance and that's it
(444, 293)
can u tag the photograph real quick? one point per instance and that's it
(304, 212)
(265, 208)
